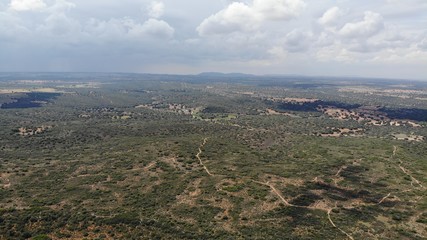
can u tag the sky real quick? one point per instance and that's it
(365, 38)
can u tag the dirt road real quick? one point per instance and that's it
(200, 160)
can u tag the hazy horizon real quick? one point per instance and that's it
(225, 74)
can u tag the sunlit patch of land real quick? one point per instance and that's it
(28, 90)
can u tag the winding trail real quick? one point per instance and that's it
(333, 224)
(394, 151)
(337, 175)
(345, 167)
(406, 171)
(328, 211)
(200, 160)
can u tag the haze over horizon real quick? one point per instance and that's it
(385, 38)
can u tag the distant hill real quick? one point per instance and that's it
(219, 74)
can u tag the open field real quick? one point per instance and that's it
(192, 157)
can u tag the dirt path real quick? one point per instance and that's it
(8, 184)
(340, 170)
(150, 165)
(200, 160)
(383, 199)
(328, 211)
(406, 171)
(276, 192)
(6, 178)
(337, 178)
(413, 180)
(333, 224)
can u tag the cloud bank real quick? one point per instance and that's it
(384, 38)
(242, 17)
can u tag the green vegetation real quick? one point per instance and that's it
(156, 157)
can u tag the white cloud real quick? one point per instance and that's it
(324, 39)
(156, 9)
(278, 52)
(242, 17)
(108, 31)
(128, 29)
(241, 34)
(60, 25)
(298, 41)
(278, 9)
(423, 44)
(335, 53)
(154, 28)
(27, 5)
(410, 55)
(331, 16)
(407, 8)
(11, 27)
(236, 17)
(61, 6)
(371, 24)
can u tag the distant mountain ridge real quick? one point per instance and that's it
(220, 74)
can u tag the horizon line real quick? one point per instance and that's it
(225, 74)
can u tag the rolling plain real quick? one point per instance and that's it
(131, 156)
